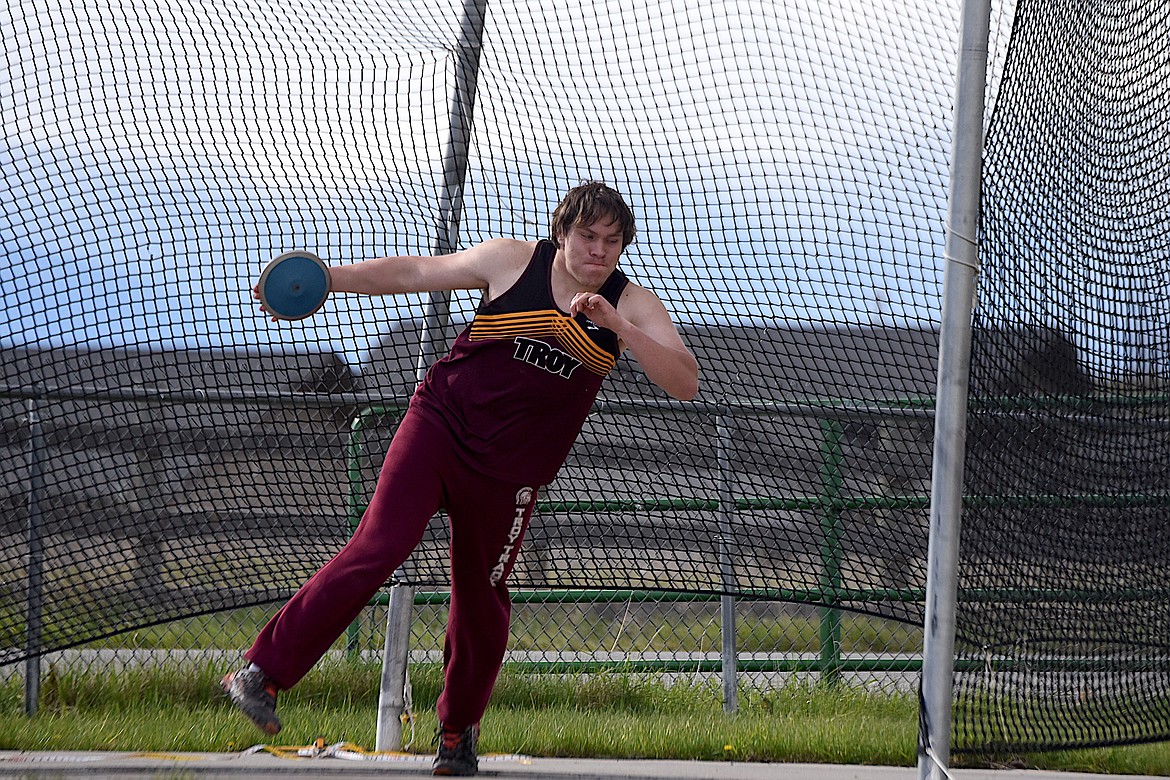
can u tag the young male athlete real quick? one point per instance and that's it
(491, 423)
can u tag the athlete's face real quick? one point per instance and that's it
(591, 252)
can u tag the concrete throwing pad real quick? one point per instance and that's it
(343, 760)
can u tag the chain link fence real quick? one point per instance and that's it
(659, 637)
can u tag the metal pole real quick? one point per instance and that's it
(392, 691)
(35, 604)
(950, 432)
(726, 569)
(391, 697)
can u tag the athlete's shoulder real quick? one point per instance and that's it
(506, 249)
(641, 305)
(634, 294)
(502, 261)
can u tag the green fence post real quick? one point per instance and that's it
(830, 576)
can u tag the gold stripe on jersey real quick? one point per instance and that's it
(548, 322)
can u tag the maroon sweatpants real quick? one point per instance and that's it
(421, 474)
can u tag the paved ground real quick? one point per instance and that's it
(338, 762)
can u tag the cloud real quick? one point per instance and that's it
(787, 160)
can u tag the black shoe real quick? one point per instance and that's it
(254, 694)
(457, 756)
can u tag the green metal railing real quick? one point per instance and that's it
(829, 504)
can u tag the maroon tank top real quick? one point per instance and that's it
(520, 380)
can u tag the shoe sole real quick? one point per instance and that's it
(269, 727)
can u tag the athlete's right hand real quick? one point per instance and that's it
(256, 297)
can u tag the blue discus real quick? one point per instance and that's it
(294, 285)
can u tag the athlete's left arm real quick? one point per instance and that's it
(644, 327)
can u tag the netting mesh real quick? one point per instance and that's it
(170, 452)
(1063, 570)
(167, 452)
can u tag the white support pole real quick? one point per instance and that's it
(950, 432)
(392, 696)
(392, 692)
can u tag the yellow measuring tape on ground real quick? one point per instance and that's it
(351, 752)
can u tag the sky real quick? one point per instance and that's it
(787, 160)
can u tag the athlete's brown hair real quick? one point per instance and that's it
(589, 202)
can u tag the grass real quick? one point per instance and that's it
(604, 715)
(600, 715)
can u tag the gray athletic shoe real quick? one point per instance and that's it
(254, 694)
(457, 756)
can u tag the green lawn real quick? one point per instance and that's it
(606, 715)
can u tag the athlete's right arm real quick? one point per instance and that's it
(482, 266)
